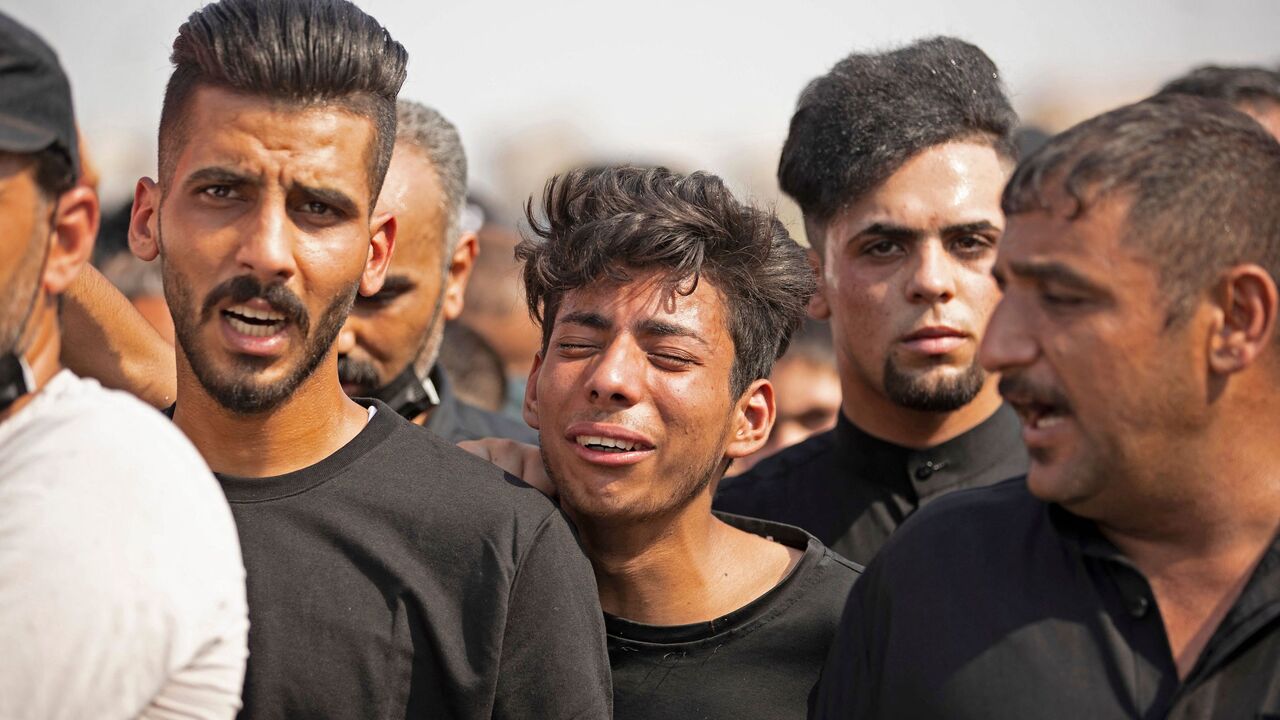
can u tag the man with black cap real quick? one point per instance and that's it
(123, 591)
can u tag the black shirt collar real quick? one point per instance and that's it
(930, 471)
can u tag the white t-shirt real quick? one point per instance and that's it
(121, 584)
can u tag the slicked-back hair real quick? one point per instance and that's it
(429, 131)
(1240, 86)
(299, 52)
(611, 224)
(1200, 178)
(859, 123)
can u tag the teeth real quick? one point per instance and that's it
(250, 329)
(251, 313)
(587, 440)
(1047, 421)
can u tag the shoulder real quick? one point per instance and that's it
(776, 471)
(963, 533)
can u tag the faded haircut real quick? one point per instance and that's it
(609, 224)
(1200, 178)
(859, 123)
(298, 52)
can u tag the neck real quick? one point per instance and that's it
(877, 415)
(682, 568)
(43, 345)
(310, 425)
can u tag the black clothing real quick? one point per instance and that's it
(455, 420)
(852, 490)
(992, 604)
(759, 661)
(382, 586)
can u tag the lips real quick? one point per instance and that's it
(608, 445)
(254, 327)
(935, 340)
(1043, 410)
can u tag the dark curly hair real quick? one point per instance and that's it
(612, 223)
(1200, 177)
(856, 125)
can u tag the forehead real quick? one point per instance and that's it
(1091, 243)
(413, 194)
(648, 298)
(317, 145)
(953, 183)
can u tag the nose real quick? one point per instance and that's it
(1006, 344)
(933, 277)
(266, 250)
(617, 375)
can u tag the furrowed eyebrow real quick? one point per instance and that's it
(889, 231)
(336, 198)
(594, 321)
(659, 328)
(220, 176)
(975, 228)
(1048, 271)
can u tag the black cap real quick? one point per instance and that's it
(35, 97)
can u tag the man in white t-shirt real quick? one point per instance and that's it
(121, 585)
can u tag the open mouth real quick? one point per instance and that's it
(253, 322)
(610, 445)
(1041, 416)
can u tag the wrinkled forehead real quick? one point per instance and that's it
(642, 297)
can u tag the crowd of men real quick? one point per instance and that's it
(1051, 489)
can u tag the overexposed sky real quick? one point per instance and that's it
(706, 84)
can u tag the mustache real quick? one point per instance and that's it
(243, 288)
(1020, 389)
(358, 372)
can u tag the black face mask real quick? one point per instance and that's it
(15, 379)
(408, 394)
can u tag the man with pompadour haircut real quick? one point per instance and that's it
(897, 160)
(389, 573)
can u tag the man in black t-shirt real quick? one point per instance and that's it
(389, 574)
(664, 302)
(897, 160)
(1135, 571)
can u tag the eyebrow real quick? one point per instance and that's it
(594, 321)
(224, 176)
(904, 233)
(1050, 271)
(397, 283)
(651, 328)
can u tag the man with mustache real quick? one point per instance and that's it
(897, 161)
(664, 302)
(389, 345)
(1135, 571)
(389, 574)
(121, 586)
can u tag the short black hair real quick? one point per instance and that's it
(1200, 177)
(55, 173)
(1240, 86)
(302, 52)
(609, 223)
(859, 123)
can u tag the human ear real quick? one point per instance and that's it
(75, 225)
(382, 241)
(753, 419)
(531, 393)
(455, 283)
(143, 234)
(819, 308)
(1246, 303)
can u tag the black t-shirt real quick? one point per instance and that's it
(759, 661)
(852, 490)
(401, 577)
(992, 604)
